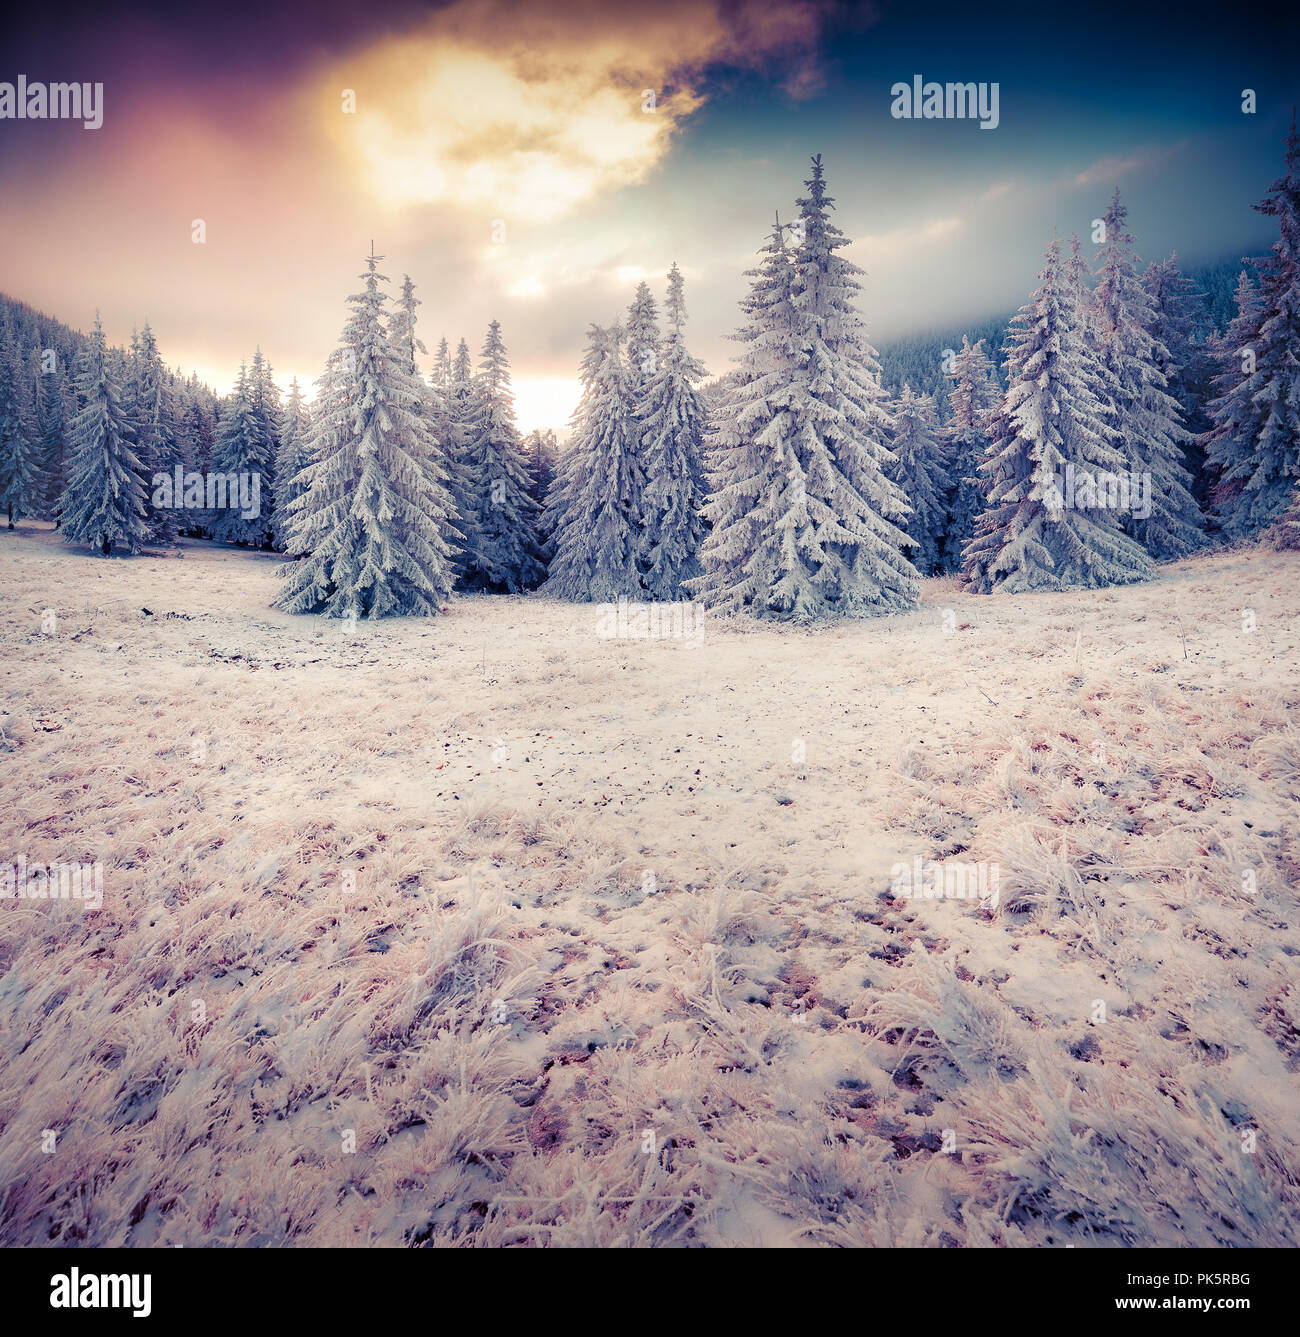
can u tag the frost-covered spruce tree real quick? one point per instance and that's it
(641, 342)
(1284, 534)
(103, 504)
(1178, 326)
(749, 459)
(542, 452)
(1050, 418)
(148, 409)
(373, 526)
(593, 514)
(461, 407)
(22, 482)
(268, 417)
(52, 405)
(291, 459)
(1254, 441)
(920, 472)
(844, 423)
(1147, 421)
(672, 419)
(1231, 413)
(242, 454)
(972, 398)
(503, 516)
(1178, 311)
(442, 369)
(835, 545)
(432, 405)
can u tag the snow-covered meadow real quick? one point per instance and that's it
(492, 930)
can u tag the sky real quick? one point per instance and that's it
(510, 158)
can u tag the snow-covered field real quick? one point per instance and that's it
(488, 930)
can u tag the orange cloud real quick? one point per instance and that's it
(508, 110)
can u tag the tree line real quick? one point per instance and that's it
(1116, 433)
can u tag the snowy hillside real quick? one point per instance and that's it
(489, 929)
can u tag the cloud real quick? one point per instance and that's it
(527, 113)
(870, 251)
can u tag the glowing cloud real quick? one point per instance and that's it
(514, 112)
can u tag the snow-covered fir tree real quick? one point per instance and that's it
(243, 452)
(1041, 527)
(103, 504)
(292, 458)
(1177, 314)
(1231, 412)
(1284, 533)
(672, 424)
(147, 407)
(593, 515)
(503, 517)
(1178, 327)
(806, 522)
(52, 423)
(374, 527)
(442, 369)
(919, 470)
(641, 341)
(268, 413)
(972, 398)
(1146, 420)
(458, 421)
(542, 453)
(750, 460)
(1254, 440)
(439, 464)
(22, 481)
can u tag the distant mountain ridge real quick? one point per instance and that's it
(917, 359)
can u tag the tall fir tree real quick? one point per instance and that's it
(242, 451)
(1049, 426)
(1254, 440)
(641, 350)
(672, 422)
(972, 398)
(1178, 327)
(22, 482)
(290, 462)
(844, 425)
(593, 515)
(374, 527)
(807, 523)
(541, 452)
(750, 461)
(442, 369)
(921, 473)
(52, 401)
(461, 406)
(1146, 420)
(103, 504)
(440, 463)
(504, 517)
(1231, 412)
(145, 401)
